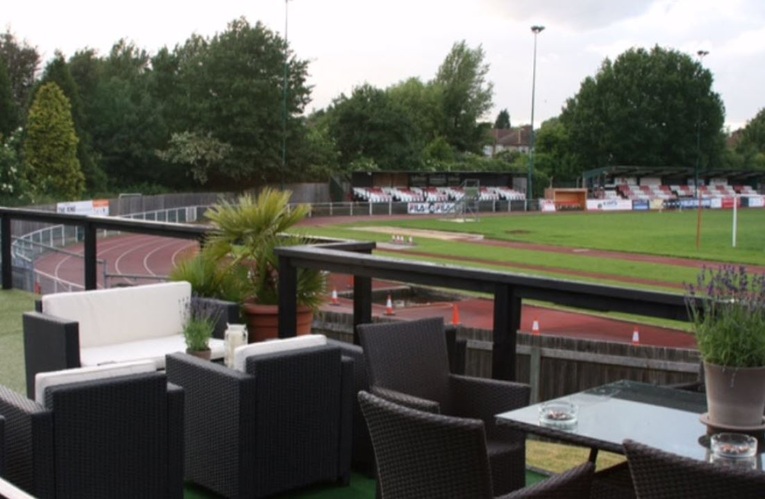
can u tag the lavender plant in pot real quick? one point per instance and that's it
(199, 319)
(727, 309)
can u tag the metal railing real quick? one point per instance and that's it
(355, 259)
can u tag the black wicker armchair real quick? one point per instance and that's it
(407, 363)
(113, 437)
(2, 445)
(283, 424)
(423, 455)
(661, 475)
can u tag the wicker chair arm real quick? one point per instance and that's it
(574, 484)
(50, 344)
(485, 398)
(407, 400)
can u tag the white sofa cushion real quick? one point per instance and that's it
(119, 315)
(153, 349)
(273, 346)
(45, 380)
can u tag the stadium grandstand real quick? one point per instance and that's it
(418, 187)
(659, 183)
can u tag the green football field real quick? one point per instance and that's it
(669, 233)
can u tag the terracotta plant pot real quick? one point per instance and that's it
(735, 395)
(202, 354)
(263, 321)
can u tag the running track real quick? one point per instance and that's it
(153, 258)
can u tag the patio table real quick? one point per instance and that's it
(662, 417)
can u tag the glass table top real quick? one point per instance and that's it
(661, 417)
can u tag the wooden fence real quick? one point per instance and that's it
(554, 365)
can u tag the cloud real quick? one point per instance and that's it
(575, 15)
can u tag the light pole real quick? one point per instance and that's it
(536, 30)
(701, 54)
(284, 95)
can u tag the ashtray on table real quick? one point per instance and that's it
(733, 449)
(558, 414)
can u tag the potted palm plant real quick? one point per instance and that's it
(727, 309)
(245, 237)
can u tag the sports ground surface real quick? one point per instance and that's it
(147, 256)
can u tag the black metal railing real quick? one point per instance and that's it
(355, 258)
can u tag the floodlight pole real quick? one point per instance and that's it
(284, 95)
(701, 54)
(529, 183)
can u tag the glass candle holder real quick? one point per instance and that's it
(558, 414)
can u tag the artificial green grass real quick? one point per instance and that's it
(13, 304)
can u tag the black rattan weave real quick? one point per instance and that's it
(661, 475)
(103, 438)
(2, 446)
(283, 424)
(411, 358)
(422, 455)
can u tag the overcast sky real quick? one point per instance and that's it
(351, 42)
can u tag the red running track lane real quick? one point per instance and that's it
(156, 256)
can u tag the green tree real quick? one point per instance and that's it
(369, 126)
(9, 113)
(553, 153)
(50, 148)
(503, 120)
(646, 108)
(22, 62)
(57, 71)
(199, 152)
(466, 96)
(13, 188)
(232, 87)
(751, 148)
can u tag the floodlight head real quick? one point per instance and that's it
(537, 29)
(702, 53)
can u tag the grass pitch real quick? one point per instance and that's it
(670, 234)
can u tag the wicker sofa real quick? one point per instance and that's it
(98, 433)
(89, 328)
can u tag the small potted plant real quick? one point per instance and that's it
(727, 309)
(246, 234)
(200, 318)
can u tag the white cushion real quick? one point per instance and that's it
(45, 380)
(153, 349)
(117, 315)
(273, 346)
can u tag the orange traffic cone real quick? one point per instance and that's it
(535, 327)
(335, 300)
(455, 315)
(350, 281)
(389, 307)
(635, 336)
(38, 288)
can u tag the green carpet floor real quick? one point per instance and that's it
(361, 487)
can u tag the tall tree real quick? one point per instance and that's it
(503, 120)
(467, 96)
(751, 146)
(57, 71)
(233, 88)
(50, 148)
(9, 113)
(646, 108)
(22, 62)
(368, 127)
